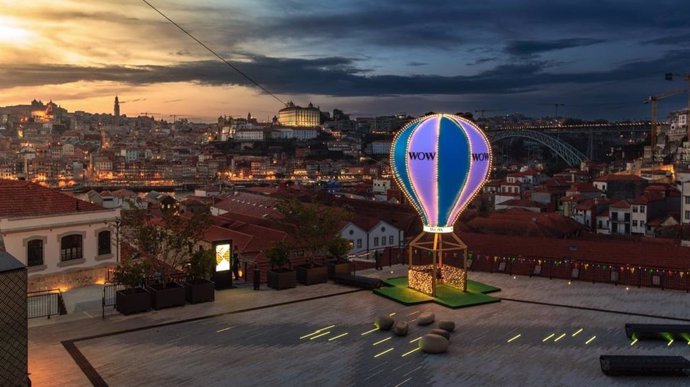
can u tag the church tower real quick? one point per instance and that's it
(117, 108)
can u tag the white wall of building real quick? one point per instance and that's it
(17, 232)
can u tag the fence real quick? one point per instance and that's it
(45, 304)
(581, 270)
(109, 291)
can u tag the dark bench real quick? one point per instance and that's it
(658, 331)
(613, 365)
(357, 281)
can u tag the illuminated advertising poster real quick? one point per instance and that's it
(223, 255)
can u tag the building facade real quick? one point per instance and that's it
(293, 115)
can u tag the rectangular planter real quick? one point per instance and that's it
(134, 300)
(198, 291)
(309, 275)
(335, 268)
(284, 279)
(167, 295)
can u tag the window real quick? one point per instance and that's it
(359, 243)
(634, 223)
(687, 215)
(71, 247)
(614, 216)
(635, 209)
(642, 223)
(104, 243)
(34, 252)
(390, 240)
(376, 241)
(687, 200)
(627, 217)
(643, 209)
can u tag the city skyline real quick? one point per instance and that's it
(600, 60)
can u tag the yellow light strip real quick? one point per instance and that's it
(317, 336)
(339, 336)
(633, 342)
(590, 339)
(559, 337)
(368, 332)
(223, 330)
(669, 343)
(381, 341)
(417, 339)
(514, 338)
(578, 332)
(548, 337)
(317, 331)
(391, 314)
(384, 352)
(412, 351)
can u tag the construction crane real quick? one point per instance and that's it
(555, 107)
(652, 100)
(149, 113)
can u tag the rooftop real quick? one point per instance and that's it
(21, 198)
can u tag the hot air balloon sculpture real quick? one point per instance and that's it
(440, 162)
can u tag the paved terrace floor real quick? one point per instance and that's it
(267, 346)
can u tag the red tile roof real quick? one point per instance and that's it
(621, 204)
(21, 198)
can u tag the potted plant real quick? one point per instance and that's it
(337, 249)
(133, 298)
(280, 276)
(166, 294)
(198, 287)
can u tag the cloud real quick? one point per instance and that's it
(482, 60)
(532, 47)
(339, 76)
(679, 39)
(416, 64)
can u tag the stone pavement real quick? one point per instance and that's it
(264, 346)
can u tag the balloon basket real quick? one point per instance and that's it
(434, 259)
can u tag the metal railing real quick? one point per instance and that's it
(45, 303)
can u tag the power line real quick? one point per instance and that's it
(247, 77)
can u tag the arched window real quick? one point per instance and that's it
(34, 252)
(71, 247)
(104, 243)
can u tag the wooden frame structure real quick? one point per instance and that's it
(424, 278)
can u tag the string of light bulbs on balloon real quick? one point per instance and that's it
(577, 264)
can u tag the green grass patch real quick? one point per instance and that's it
(448, 296)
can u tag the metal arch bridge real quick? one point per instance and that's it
(567, 152)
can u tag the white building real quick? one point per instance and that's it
(249, 135)
(368, 235)
(65, 242)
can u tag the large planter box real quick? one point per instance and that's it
(282, 279)
(309, 275)
(336, 268)
(134, 300)
(167, 295)
(198, 291)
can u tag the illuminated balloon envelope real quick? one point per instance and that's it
(440, 162)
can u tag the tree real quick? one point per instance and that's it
(168, 241)
(278, 255)
(310, 226)
(338, 247)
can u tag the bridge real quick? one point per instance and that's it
(611, 127)
(565, 151)
(545, 135)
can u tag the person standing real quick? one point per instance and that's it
(377, 258)
(235, 266)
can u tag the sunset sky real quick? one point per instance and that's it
(599, 58)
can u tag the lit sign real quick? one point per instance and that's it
(440, 162)
(222, 257)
